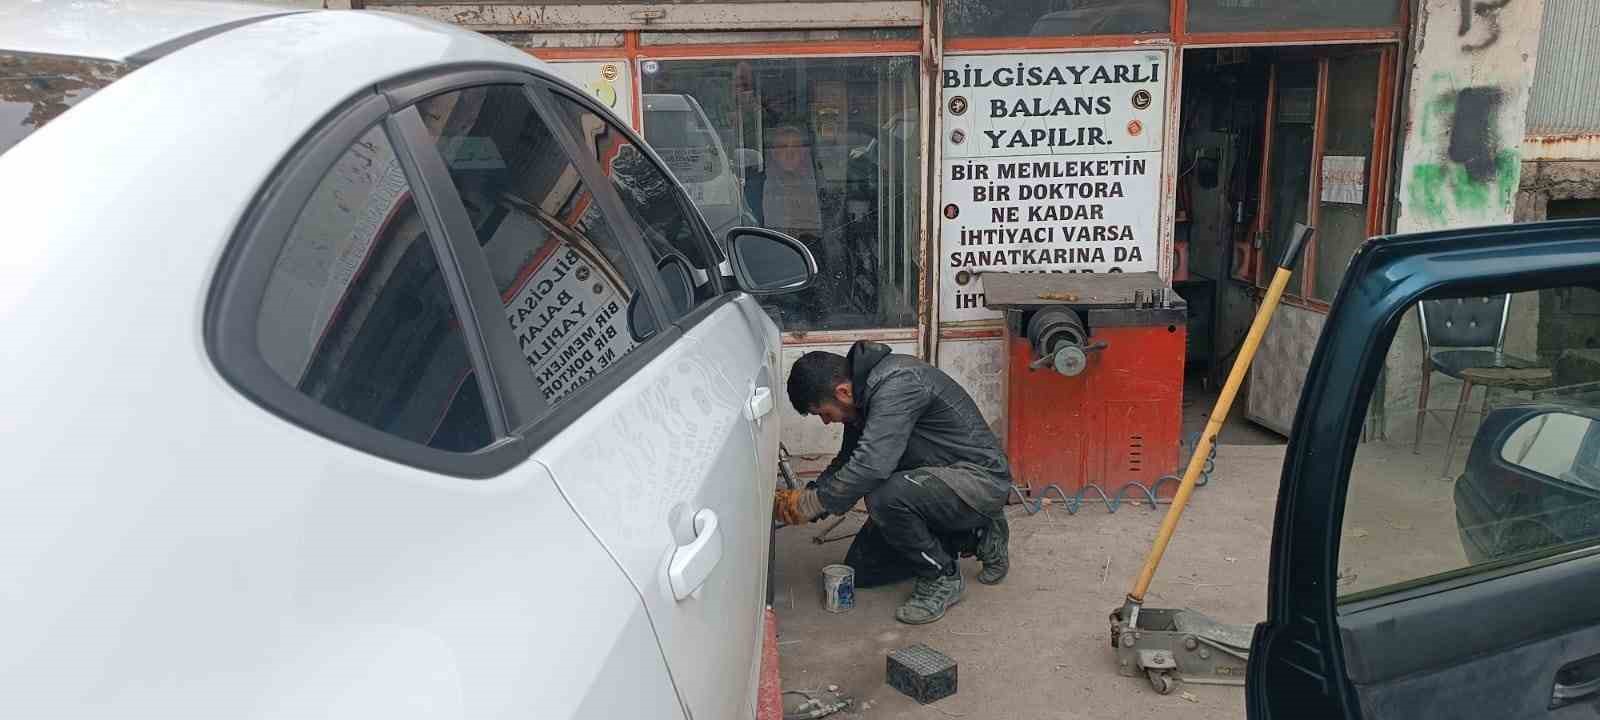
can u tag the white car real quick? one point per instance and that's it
(358, 367)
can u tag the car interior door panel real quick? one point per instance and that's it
(1478, 647)
(1442, 565)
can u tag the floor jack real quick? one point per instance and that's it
(1167, 645)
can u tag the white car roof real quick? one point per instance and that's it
(116, 29)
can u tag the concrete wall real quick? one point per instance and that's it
(1464, 117)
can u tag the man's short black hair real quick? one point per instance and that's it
(813, 377)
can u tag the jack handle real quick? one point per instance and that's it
(1208, 438)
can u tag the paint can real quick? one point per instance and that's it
(838, 588)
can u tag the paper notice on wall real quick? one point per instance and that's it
(1344, 179)
(570, 319)
(1052, 163)
(609, 81)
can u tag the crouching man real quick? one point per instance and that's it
(933, 475)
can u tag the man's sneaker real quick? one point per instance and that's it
(993, 552)
(930, 598)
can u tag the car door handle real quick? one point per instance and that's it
(760, 402)
(1576, 681)
(692, 564)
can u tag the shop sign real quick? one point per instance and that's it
(609, 81)
(1052, 163)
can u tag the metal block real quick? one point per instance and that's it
(922, 673)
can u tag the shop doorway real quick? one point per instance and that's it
(1271, 137)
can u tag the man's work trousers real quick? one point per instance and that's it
(916, 526)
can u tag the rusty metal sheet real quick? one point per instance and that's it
(1279, 371)
(1565, 96)
(567, 17)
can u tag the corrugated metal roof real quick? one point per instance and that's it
(1565, 97)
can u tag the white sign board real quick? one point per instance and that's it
(609, 81)
(1052, 163)
(1344, 179)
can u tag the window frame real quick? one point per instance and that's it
(553, 93)
(238, 287)
(520, 421)
(532, 421)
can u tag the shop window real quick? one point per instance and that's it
(986, 18)
(1346, 167)
(1262, 15)
(823, 149)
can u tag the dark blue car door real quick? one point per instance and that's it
(1389, 595)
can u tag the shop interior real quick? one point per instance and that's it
(1263, 132)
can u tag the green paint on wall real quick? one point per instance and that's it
(1436, 112)
(1427, 192)
(1508, 174)
(1444, 194)
(1468, 195)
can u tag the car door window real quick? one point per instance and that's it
(677, 241)
(572, 298)
(356, 313)
(1488, 457)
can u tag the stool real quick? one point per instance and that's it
(1491, 378)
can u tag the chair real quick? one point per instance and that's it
(1472, 333)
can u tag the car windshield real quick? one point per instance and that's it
(35, 89)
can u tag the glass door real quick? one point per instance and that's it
(1325, 151)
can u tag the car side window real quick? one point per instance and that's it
(677, 241)
(356, 313)
(572, 299)
(1483, 443)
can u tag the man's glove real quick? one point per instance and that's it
(797, 507)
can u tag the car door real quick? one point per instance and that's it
(619, 375)
(717, 392)
(406, 558)
(1452, 582)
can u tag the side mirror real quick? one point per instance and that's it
(677, 280)
(769, 263)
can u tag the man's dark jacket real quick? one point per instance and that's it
(913, 416)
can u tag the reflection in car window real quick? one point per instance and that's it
(35, 89)
(1501, 463)
(652, 198)
(357, 314)
(568, 289)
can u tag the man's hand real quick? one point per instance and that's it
(797, 507)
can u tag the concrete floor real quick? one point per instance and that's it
(1036, 646)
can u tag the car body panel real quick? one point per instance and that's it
(1503, 508)
(640, 492)
(176, 550)
(116, 29)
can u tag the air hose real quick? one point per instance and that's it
(1150, 494)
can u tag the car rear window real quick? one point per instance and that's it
(35, 89)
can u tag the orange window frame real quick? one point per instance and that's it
(1303, 292)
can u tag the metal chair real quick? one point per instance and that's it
(1473, 333)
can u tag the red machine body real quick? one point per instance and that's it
(1120, 417)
